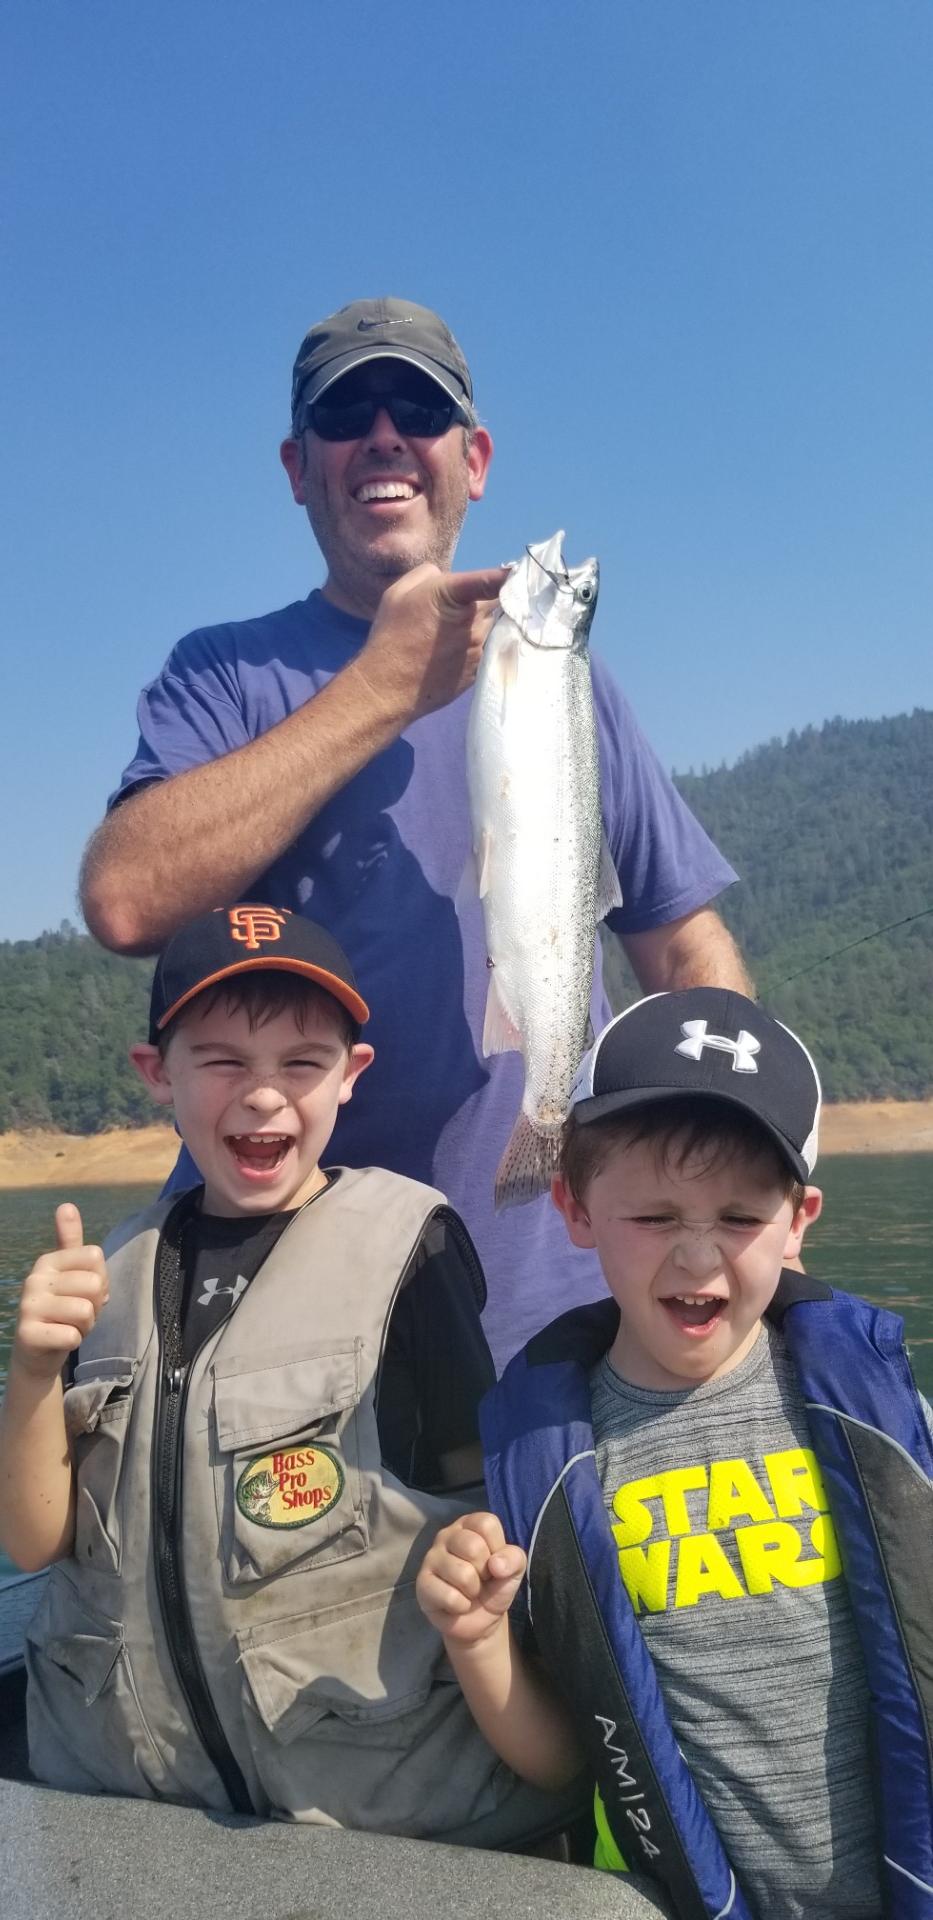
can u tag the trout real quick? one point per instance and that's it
(543, 867)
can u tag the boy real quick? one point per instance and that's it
(274, 1397)
(678, 1470)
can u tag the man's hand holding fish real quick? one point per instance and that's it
(425, 644)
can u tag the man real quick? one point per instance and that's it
(315, 757)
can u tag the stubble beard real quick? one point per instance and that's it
(361, 569)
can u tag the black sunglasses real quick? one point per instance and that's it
(353, 419)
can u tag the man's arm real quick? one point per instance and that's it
(186, 844)
(696, 951)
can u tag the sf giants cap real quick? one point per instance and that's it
(247, 939)
(712, 1042)
(380, 330)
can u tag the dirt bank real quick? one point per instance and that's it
(136, 1155)
(878, 1126)
(146, 1153)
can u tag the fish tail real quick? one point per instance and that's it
(528, 1165)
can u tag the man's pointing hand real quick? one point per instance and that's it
(425, 643)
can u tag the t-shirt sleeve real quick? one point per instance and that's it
(436, 1365)
(192, 712)
(667, 864)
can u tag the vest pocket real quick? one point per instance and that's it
(286, 1467)
(354, 1717)
(87, 1732)
(97, 1415)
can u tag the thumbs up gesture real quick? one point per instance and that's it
(61, 1299)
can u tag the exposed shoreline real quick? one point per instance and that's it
(144, 1155)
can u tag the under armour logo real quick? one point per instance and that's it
(252, 925)
(743, 1050)
(213, 1287)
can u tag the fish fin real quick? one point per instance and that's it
(500, 1034)
(508, 661)
(608, 890)
(466, 885)
(474, 880)
(503, 665)
(528, 1165)
(483, 857)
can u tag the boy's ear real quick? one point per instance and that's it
(576, 1218)
(358, 1059)
(809, 1210)
(150, 1066)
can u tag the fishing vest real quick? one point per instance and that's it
(876, 1457)
(297, 1550)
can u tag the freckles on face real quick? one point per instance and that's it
(256, 1105)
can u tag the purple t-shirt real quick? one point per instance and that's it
(380, 866)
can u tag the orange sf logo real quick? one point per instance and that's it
(252, 925)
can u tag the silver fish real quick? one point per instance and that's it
(544, 871)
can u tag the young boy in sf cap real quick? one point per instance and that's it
(273, 1405)
(718, 1487)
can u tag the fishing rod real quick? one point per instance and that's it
(849, 944)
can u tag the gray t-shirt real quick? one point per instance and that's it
(728, 1553)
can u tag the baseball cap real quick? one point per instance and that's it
(380, 330)
(247, 938)
(714, 1043)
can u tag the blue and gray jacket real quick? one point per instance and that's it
(876, 1456)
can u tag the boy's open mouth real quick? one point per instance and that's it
(694, 1312)
(259, 1152)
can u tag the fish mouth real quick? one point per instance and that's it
(259, 1155)
(695, 1314)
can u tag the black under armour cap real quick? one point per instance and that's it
(248, 938)
(380, 330)
(714, 1043)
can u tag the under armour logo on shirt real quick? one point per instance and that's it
(743, 1050)
(213, 1287)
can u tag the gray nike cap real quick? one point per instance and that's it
(380, 330)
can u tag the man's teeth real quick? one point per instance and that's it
(385, 490)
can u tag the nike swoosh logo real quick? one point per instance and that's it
(366, 326)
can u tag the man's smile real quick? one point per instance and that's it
(370, 490)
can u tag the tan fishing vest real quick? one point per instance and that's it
(299, 1553)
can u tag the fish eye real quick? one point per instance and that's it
(585, 594)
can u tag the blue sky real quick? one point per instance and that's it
(686, 245)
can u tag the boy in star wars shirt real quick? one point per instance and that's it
(686, 1162)
(273, 1401)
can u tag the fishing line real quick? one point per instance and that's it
(559, 583)
(860, 942)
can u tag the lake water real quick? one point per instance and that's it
(875, 1238)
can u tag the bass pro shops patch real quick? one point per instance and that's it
(291, 1489)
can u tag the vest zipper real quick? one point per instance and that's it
(167, 1512)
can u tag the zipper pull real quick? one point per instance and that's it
(174, 1377)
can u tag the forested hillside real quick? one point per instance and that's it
(68, 1012)
(832, 831)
